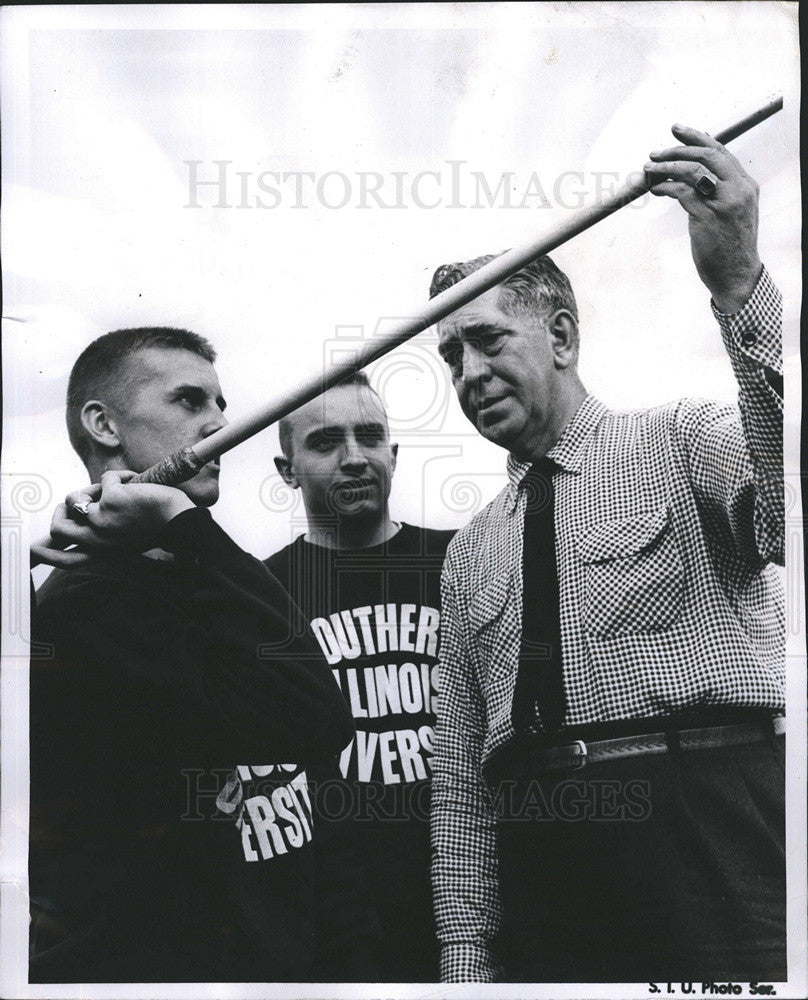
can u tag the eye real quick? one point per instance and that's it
(491, 342)
(452, 354)
(191, 399)
(322, 444)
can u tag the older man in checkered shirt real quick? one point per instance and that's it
(608, 778)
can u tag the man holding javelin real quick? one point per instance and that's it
(174, 762)
(608, 794)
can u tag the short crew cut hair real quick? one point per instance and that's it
(539, 285)
(285, 424)
(97, 373)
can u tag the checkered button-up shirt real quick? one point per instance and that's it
(667, 522)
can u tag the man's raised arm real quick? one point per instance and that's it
(736, 469)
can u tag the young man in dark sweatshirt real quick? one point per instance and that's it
(370, 588)
(176, 745)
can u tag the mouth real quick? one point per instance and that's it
(354, 490)
(486, 407)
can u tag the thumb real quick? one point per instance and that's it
(113, 477)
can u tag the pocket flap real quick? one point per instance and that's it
(489, 600)
(624, 537)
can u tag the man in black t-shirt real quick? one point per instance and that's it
(171, 839)
(371, 589)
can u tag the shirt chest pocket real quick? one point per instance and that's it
(634, 577)
(491, 625)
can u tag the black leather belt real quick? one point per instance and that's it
(529, 757)
(576, 754)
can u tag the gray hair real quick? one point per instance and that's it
(538, 286)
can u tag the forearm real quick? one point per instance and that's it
(220, 643)
(274, 678)
(753, 340)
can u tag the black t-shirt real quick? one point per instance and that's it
(173, 835)
(376, 615)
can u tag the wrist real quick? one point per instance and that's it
(176, 505)
(733, 297)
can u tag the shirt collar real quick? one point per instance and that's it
(568, 452)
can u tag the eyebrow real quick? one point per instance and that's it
(468, 332)
(476, 329)
(338, 430)
(330, 431)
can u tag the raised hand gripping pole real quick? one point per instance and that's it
(186, 463)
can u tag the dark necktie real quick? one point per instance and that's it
(540, 680)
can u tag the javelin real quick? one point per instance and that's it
(184, 464)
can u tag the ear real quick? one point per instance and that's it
(286, 469)
(394, 454)
(99, 423)
(563, 330)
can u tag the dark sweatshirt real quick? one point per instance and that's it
(176, 748)
(376, 614)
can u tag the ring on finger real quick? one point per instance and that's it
(81, 508)
(705, 185)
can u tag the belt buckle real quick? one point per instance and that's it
(580, 754)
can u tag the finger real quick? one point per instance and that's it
(694, 174)
(61, 559)
(61, 515)
(67, 531)
(111, 482)
(63, 522)
(114, 477)
(693, 137)
(692, 202)
(92, 493)
(38, 547)
(70, 533)
(78, 502)
(719, 161)
(47, 546)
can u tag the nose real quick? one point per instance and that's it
(353, 457)
(475, 367)
(214, 421)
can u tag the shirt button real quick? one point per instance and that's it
(749, 338)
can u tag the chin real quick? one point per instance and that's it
(498, 435)
(361, 513)
(505, 433)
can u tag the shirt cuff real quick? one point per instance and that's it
(182, 533)
(194, 536)
(465, 962)
(756, 329)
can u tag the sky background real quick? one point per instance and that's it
(103, 108)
